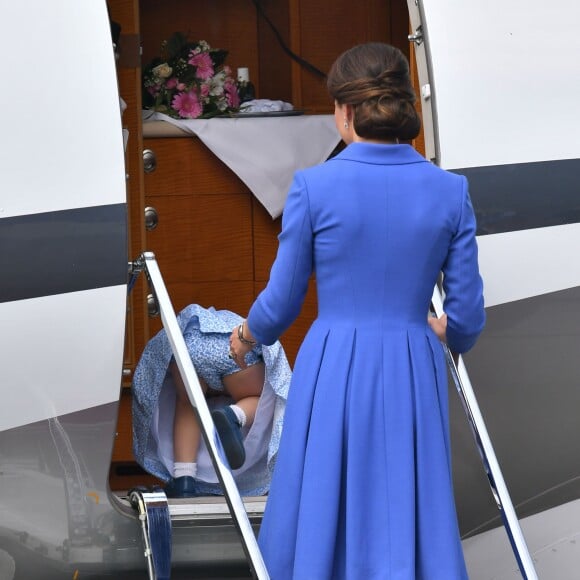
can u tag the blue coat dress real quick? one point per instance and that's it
(362, 488)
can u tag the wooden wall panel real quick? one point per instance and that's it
(318, 31)
(123, 442)
(126, 13)
(275, 70)
(203, 238)
(419, 142)
(265, 235)
(227, 24)
(124, 473)
(327, 28)
(186, 166)
(293, 337)
(266, 232)
(400, 25)
(236, 296)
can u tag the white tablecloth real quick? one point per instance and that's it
(264, 152)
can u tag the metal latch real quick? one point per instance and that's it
(417, 38)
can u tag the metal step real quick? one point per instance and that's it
(203, 532)
(204, 508)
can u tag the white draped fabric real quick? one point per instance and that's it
(264, 152)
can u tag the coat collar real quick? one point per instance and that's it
(379, 154)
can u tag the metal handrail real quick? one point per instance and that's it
(488, 457)
(195, 393)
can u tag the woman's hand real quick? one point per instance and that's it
(239, 349)
(439, 326)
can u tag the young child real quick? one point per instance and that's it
(247, 407)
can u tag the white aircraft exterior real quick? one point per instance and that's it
(499, 85)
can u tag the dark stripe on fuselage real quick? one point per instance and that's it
(523, 196)
(63, 251)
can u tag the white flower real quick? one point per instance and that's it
(162, 71)
(216, 84)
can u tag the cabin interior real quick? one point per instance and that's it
(213, 239)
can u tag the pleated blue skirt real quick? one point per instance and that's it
(362, 488)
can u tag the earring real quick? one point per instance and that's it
(345, 124)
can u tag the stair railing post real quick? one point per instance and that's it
(487, 453)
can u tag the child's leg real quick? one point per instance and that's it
(245, 388)
(248, 406)
(186, 431)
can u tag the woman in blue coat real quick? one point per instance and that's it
(362, 488)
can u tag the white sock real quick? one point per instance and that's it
(181, 469)
(240, 415)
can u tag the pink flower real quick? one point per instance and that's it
(187, 105)
(204, 90)
(232, 97)
(203, 64)
(171, 83)
(180, 87)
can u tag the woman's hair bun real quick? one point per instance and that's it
(374, 79)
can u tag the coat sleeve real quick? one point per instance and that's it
(280, 302)
(462, 282)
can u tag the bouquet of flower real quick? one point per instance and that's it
(189, 81)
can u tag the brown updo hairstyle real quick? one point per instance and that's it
(374, 79)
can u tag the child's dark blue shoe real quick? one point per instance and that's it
(230, 433)
(183, 486)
